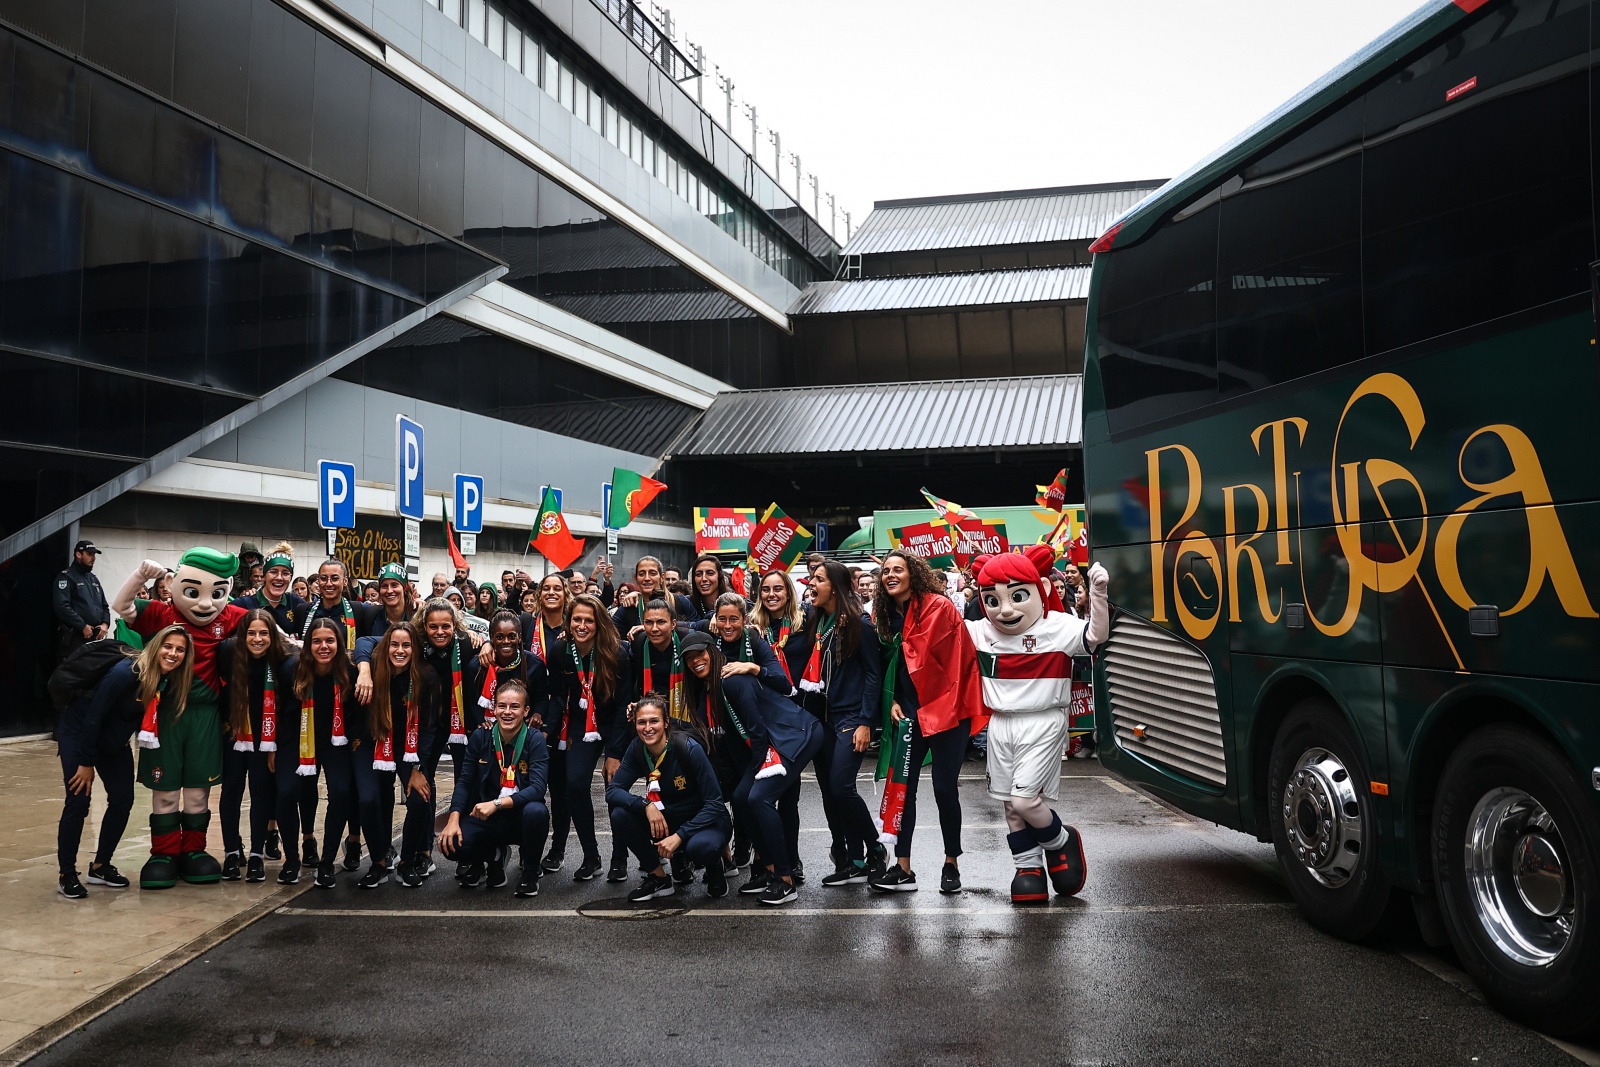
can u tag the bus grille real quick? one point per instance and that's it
(1164, 700)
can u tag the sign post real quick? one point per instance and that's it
(336, 499)
(409, 495)
(468, 511)
(605, 520)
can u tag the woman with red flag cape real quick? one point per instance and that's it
(930, 680)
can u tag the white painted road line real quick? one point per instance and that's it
(728, 913)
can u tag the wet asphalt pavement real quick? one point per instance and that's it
(1182, 949)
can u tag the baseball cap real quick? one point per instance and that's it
(86, 546)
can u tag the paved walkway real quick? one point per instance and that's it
(60, 958)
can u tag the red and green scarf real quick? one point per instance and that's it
(778, 636)
(458, 700)
(347, 616)
(150, 725)
(383, 748)
(677, 706)
(308, 731)
(508, 767)
(591, 730)
(491, 679)
(652, 789)
(246, 741)
(811, 679)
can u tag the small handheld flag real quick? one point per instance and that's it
(457, 560)
(550, 535)
(948, 510)
(1054, 495)
(630, 493)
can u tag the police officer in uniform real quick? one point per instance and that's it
(80, 603)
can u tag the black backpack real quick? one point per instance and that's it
(83, 669)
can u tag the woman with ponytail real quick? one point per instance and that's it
(314, 736)
(254, 683)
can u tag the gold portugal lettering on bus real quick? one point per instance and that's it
(1242, 550)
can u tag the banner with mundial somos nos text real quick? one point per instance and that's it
(945, 544)
(777, 540)
(723, 529)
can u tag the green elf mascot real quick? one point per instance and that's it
(182, 758)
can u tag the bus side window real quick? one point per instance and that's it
(1157, 323)
(1476, 191)
(1289, 260)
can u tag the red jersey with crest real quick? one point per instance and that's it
(155, 615)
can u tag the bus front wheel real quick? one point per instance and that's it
(1515, 847)
(1323, 826)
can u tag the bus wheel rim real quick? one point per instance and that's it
(1518, 877)
(1322, 817)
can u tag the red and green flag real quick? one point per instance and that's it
(457, 560)
(777, 541)
(948, 510)
(550, 535)
(630, 492)
(1054, 495)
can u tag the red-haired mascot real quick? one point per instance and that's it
(1025, 643)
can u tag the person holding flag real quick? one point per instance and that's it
(499, 799)
(594, 664)
(931, 682)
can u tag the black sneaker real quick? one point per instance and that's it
(309, 856)
(471, 876)
(255, 870)
(497, 872)
(425, 866)
(716, 883)
(587, 869)
(232, 869)
(728, 866)
(651, 887)
(779, 892)
(877, 859)
(849, 874)
(838, 855)
(274, 851)
(741, 856)
(553, 861)
(69, 886)
(798, 873)
(756, 883)
(410, 875)
(107, 875)
(325, 876)
(895, 880)
(352, 854)
(949, 879)
(290, 874)
(618, 872)
(682, 871)
(376, 875)
(528, 884)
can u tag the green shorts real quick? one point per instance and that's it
(190, 756)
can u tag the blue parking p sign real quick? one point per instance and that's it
(336, 495)
(468, 504)
(408, 486)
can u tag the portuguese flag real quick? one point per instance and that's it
(630, 492)
(550, 535)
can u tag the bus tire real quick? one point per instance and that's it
(1515, 847)
(1323, 825)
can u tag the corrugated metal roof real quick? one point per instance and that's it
(983, 413)
(987, 287)
(1074, 213)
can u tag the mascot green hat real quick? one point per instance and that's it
(221, 564)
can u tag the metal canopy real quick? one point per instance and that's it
(987, 288)
(988, 220)
(942, 416)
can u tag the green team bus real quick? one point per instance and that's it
(1342, 443)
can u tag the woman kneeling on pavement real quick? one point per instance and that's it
(779, 738)
(681, 813)
(499, 797)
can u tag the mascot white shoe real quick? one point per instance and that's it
(1026, 642)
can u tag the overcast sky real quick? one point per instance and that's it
(892, 98)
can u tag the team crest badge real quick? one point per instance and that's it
(550, 523)
(155, 774)
(523, 767)
(680, 782)
(216, 629)
(1029, 642)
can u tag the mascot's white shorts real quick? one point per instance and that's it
(1025, 754)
